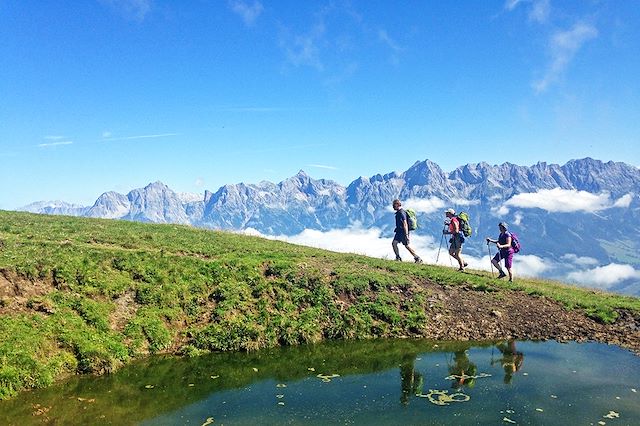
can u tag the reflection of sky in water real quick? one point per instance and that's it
(556, 384)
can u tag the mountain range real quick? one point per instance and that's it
(586, 208)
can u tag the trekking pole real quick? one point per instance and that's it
(441, 238)
(490, 262)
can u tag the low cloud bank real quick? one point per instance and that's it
(370, 242)
(565, 201)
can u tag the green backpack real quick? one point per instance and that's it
(465, 228)
(412, 219)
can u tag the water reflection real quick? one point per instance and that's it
(372, 382)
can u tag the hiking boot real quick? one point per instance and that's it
(502, 275)
(466, 264)
(398, 258)
(460, 269)
(418, 260)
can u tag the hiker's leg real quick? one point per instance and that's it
(496, 263)
(508, 263)
(394, 244)
(414, 254)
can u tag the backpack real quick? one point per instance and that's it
(515, 243)
(412, 219)
(465, 228)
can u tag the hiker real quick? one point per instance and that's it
(456, 240)
(505, 251)
(411, 381)
(511, 359)
(463, 370)
(402, 232)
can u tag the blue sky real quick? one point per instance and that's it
(103, 95)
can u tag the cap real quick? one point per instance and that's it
(451, 211)
(504, 225)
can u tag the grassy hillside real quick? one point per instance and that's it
(87, 296)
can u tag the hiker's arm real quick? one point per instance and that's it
(506, 244)
(405, 225)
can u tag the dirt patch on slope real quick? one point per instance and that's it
(18, 294)
(463, 313)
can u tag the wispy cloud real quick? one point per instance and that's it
(384, 37)
(128, 138)
(130, 9)
(565, 201)
(539, 10)
(248, 13)
(322, 166)
(304, 49)
(50, 144)
(563, 47)
(54, 138)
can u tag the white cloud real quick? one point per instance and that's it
(106, 134)
(563, 47)
(539, 11)
(605, 276)
(564, 201)
(249, 14)
(54, 138)
(321, 166)
(128, 138)
(304, 50)
(424, 205)
(624, 201)
(517, 218)
(581, 261)
(46, 145)
(511, 4)
(131, 9)
(464, 202)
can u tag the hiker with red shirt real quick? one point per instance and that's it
(505, 251)
(456, 240)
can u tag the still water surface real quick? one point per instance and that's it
(399, 382)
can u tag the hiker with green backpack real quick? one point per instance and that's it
(404, 224)
(457, 237)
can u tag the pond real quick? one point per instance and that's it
(369, 382)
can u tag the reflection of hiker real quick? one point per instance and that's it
(402, 232)
(505, 251)
(511, 359)
(411, 381)
(463, 368)
(456, 240)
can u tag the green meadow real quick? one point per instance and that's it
(87, 296)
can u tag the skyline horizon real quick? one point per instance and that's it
(116, 93)
(203, 191)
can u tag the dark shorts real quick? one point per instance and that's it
(401, 238)
(508, 258)
(456, 243)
